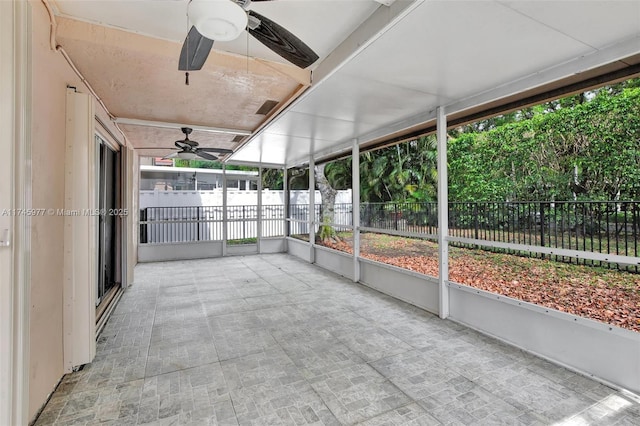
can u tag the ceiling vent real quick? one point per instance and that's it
(266, 107)
(237, 139)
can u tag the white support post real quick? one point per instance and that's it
(259, 215)
(15, 192)
(285, 201)
(312, 208)
(443, 214)
(224, 210)
(355, 210)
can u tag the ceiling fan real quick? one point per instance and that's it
(224, 20)
(188, 149)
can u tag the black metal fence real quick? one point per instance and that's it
(609, 227)
(405, 217)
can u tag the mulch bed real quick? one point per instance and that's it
(609, 296)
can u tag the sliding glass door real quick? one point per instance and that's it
(109, 258)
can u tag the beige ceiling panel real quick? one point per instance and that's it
(137, 77)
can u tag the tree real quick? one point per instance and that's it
(272, 179)
(197, 164)
(405, 172)
(326, 231)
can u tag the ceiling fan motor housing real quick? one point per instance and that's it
(220, 20)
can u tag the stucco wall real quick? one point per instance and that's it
(157, 198)
(51, 76)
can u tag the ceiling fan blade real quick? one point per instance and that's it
(186, 144)
(282, 42)
(172, 155)
(154, 147)
(218, 150)
(206, 156)
(195, 51)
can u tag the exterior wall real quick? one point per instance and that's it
(51, 76)
(411, 287)
(334, 261)
(234, 198)
(180, 251)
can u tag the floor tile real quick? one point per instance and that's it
(372, 343)
(408, 415)
(214, 308)
(358, 393)
(239, 343)
(287, 404)
(285, 283)
(415, 374)
(270, 340)
(194, 395)
(270, 367)
(167, 356)
(318, 357)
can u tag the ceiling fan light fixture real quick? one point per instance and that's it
(219, 20)
(187, 155)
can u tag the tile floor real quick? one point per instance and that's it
(269, 340)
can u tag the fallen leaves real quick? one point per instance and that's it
(609, 296)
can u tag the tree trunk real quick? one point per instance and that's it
(326, 232)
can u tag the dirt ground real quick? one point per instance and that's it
(605, 295)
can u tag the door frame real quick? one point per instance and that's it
(106, 305)
(15, 130)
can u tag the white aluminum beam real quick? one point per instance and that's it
(287, 201)
(168, 125)
(355, 209)
(224, 210)
(259, 221)
(312, 207)
(443, 214)
(381, 21)
(578, 254)
(399, 233)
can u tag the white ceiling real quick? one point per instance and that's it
(446, 53)
(381, 69)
